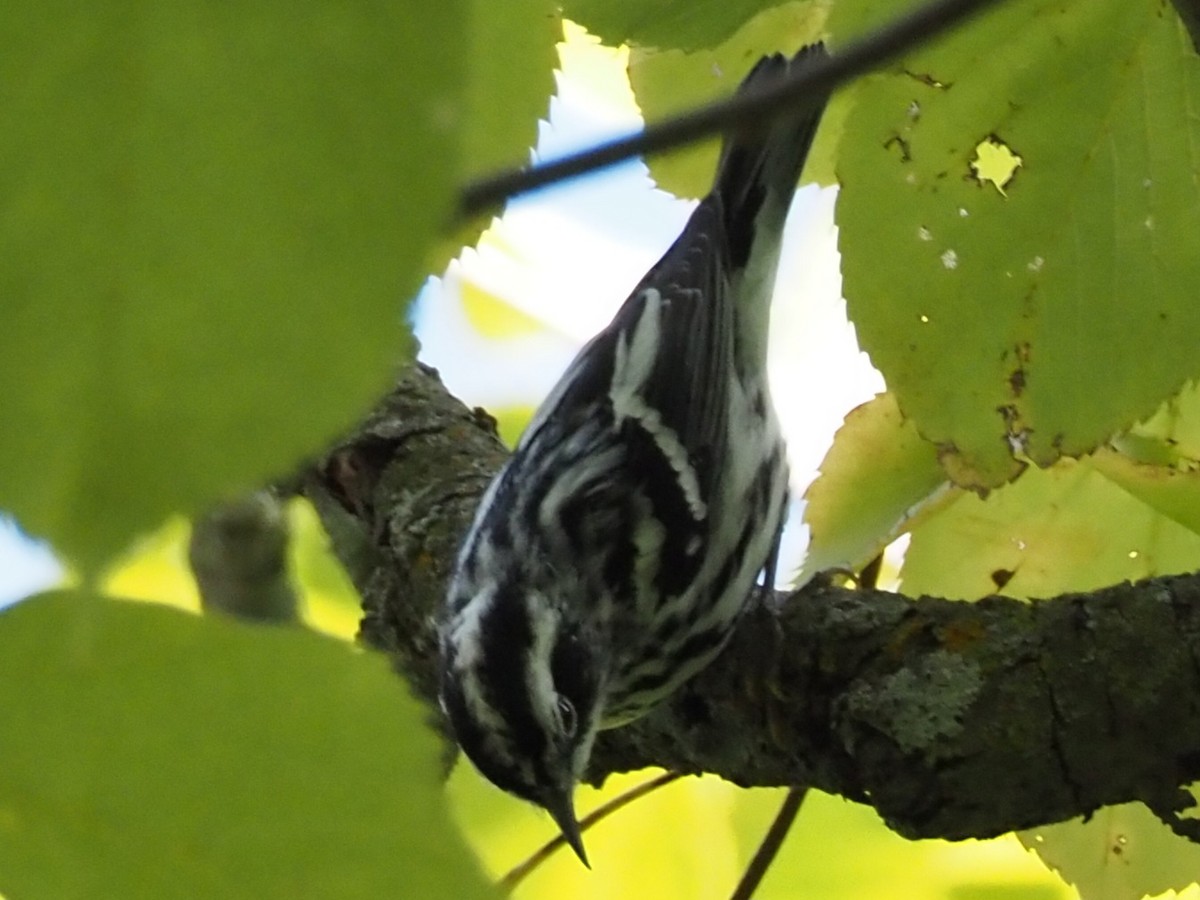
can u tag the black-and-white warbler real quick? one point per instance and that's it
(612, 555)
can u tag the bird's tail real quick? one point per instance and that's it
(759, 167)
(756, 179)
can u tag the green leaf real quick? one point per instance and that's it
(633, 855)
(680, 24)
(1038, 321)
(836, 850)
(1064, 529)
(511, 421)
(1120, 853)
(876, 481)
(148, 752)
(839, 850)
(667, 82)
(1173, 492)
(1158, 461)
(212, 217)
(510, 58)
(1171, 435)
(510, 69)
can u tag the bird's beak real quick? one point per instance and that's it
(562, 807)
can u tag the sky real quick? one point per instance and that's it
(26, 566)
(564, 259)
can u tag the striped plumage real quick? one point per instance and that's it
(612, 555)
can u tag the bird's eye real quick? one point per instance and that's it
(566, 713)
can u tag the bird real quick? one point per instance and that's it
(612, 555)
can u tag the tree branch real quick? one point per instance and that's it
(918, 26)
(952, 719)
(238, 554)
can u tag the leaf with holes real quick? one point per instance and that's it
(1064, 529)
(1017, 218)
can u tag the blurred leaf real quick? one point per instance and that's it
(1120, 853)
(492, 315)
(511, 422)
(878, 477)
(152, 753)
(821, 166)
(1064, 529)
(632, 853)
(667, 82)
(693, 838)
(510, 58)
(212, 218)
(840, 850)
(155, 568)
(1040, 322)
(329, 601)
(681, 24)
(511, 61)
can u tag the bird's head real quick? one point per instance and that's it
(521, 684)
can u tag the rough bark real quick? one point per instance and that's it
(952, 719)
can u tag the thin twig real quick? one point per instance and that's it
(771, 844)
(918, 26)
(518, 874)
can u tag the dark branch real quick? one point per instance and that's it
(918, 26)
(952, 719)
